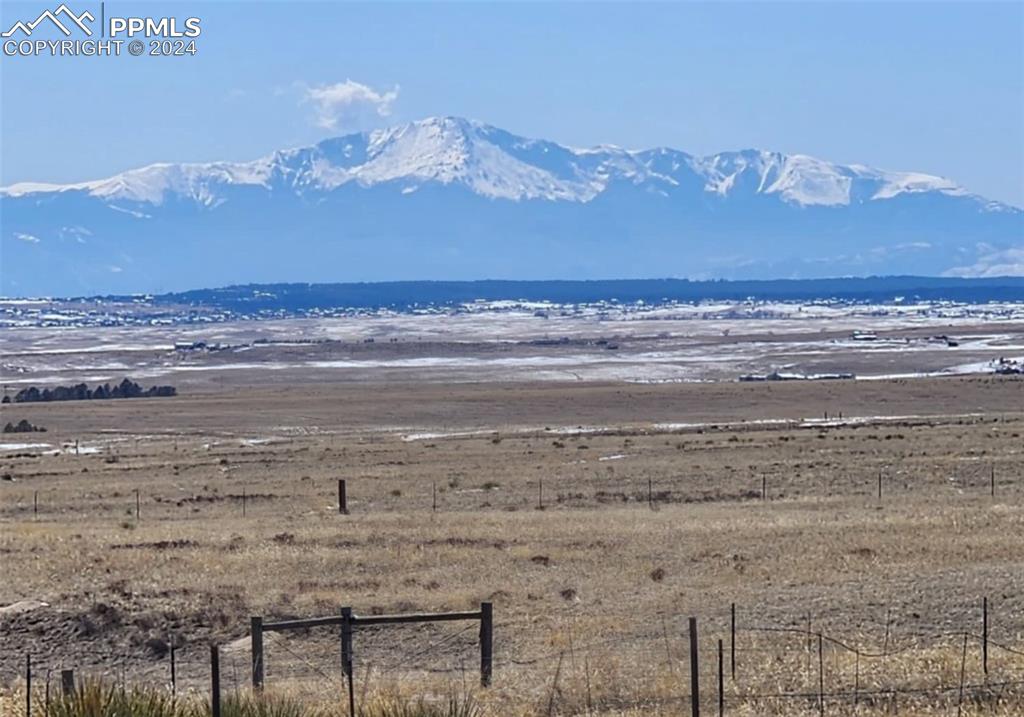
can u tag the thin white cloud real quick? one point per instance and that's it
(993, 262)
(349, 105)
(31, 239)
(884, 251)
(77, 233)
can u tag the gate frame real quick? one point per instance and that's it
(349, 621)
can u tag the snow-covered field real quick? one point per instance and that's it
(515, 341)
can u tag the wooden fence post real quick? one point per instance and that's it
(486, 642)
(256, 635)
(174, 672)
(764, 487)
(28, 684)
(540, 494)
(694, 671)
(346, 657)
(650, 494)
(434, 496)
(138, 505)
(992, 481)
(342, 497)
(67, 682)
(215, 681)
(35, 503)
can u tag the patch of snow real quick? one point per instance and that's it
(451, 434)
(808, 181)
(896, 183)
(22, 606)
(22, 446)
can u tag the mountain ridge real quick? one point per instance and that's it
(450, 198)
(417, 294)
(778, 171)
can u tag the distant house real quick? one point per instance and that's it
(865, 336)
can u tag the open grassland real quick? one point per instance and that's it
(597, 518)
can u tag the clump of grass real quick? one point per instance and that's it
(398, 706)
(250, 705)
(93, 698)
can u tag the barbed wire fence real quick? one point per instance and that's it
(757, 664)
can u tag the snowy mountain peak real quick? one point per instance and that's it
(447, 197)
(493, 163)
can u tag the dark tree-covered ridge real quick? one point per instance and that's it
(81, 392)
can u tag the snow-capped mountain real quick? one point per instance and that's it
(454, 198)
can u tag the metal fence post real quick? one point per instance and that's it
(984, 635)
(821, 676)
(174, 671)
(721, 679)
(694, 671)
(732, 640)
(346, 656)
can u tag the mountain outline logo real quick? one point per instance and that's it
(52, 15)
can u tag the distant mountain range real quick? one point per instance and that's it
(449, 198)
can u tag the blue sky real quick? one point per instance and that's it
(935, 87)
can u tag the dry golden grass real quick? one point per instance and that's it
(598, 580)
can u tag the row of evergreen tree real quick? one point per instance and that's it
(81, 392)
(23, 426)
